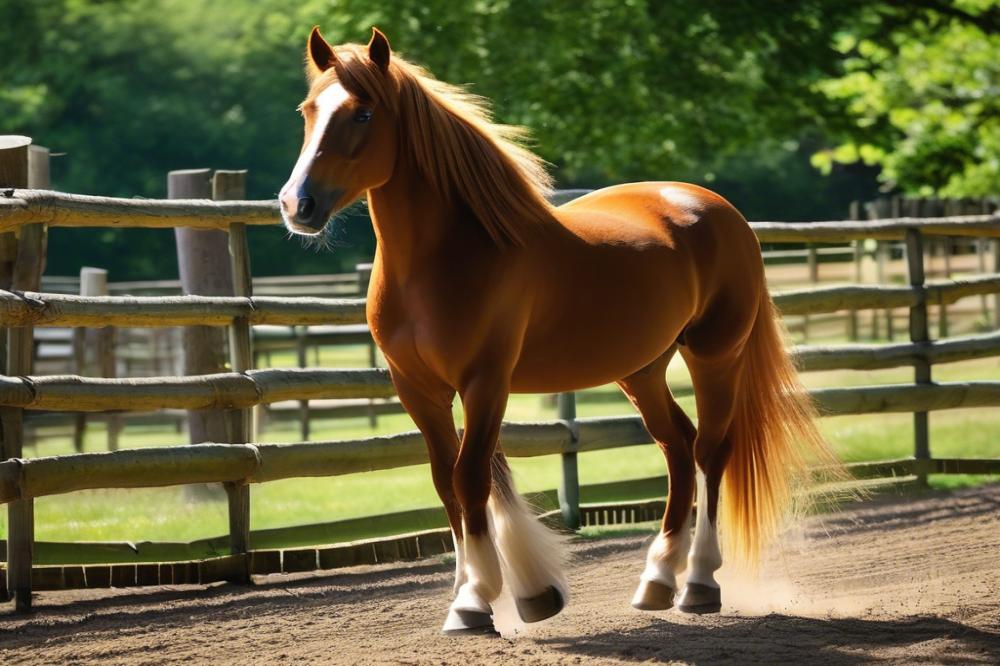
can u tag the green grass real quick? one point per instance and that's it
(180, 514)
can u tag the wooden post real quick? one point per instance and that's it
(14, 173)
(877, 210)
(203, 260)
(364, 279)
(38, 179)
(951, 208)
(227, 185)
(918, 333)
(25, 275)
(569, 484)
(856, 248)
(896, 211)
(106, 368)
(14, 158)
(94, 282)
(996, 269)
(301, 351)
(982, 244)
(38, 168)
(812, 263)
(942, 318)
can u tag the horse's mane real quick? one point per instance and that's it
(454, 143)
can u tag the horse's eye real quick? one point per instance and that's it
(362, 115)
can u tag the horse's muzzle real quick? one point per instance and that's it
(308, 207)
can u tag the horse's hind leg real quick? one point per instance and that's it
(674, 434)
(716, 382)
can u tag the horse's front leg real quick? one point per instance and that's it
(484, 400)
(429, 405)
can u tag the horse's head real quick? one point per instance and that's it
(350, 131)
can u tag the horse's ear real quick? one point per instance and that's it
(319, 54)
(378, 50)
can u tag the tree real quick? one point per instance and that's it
(922, 102)
(726, 93)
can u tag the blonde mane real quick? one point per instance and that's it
(452, 140)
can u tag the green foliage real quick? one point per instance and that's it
(922, 102)
(734, 94)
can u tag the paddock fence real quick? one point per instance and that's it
(26, 214)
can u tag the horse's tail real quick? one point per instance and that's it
(774, 439)
(531, 555)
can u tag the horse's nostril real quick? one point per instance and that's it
(306, 207)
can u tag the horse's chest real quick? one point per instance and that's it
(410, 328)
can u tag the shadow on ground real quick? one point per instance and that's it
(786, 639)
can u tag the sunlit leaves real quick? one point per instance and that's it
(931, 106)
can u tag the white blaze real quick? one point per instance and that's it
(327, 103)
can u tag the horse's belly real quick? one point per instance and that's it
(586, 353)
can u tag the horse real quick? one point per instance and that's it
(481, 288)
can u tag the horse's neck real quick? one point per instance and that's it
(412, 223)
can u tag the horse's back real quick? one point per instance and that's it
(701, 233)
(658, 207)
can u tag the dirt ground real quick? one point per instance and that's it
(914, 580)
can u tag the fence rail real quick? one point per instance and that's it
(238, 464)
(73, 393)
(874, 357)
(980, 226)
(58, 209)
(859, 297)
(45, 309)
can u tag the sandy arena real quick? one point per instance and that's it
(913, 580)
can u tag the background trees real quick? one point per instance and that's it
(789, 109)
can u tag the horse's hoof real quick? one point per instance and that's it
(468, 623)
(653, 596)
(541, 607)
(700, 599)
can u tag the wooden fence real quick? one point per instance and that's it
(27, 213)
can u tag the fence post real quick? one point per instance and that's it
(25, 275)
(301, 352)
(364, 279)
(996, 269)
(203, 263)
(982, 244)
(919, 333)
(232, 185)
(569, 484)
(856, 247)
(94, 282)
(952, 207)
(14, 170)
(812, 263)
(877, 210)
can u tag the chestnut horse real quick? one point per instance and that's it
(482, 288)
